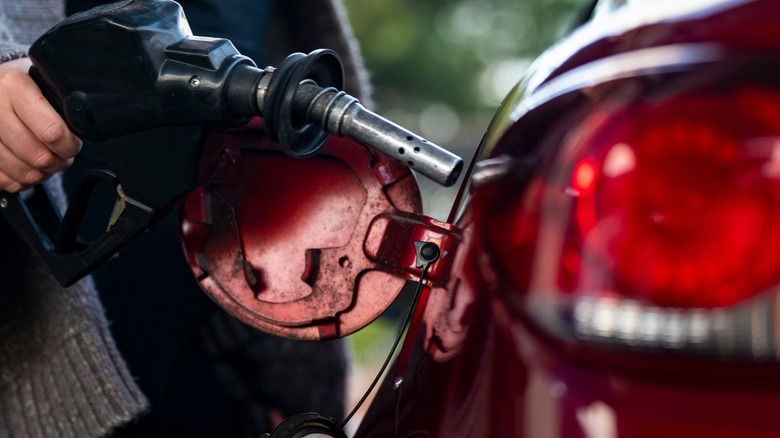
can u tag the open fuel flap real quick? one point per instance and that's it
(312, 248)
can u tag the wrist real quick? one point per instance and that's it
(22, 64)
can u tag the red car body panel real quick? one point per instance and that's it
(487, 361)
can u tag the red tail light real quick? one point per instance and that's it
(676, 201)
(668, 201)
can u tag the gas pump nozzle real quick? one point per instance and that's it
(131, 76)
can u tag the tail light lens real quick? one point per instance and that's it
(676, 202)
(656, 207)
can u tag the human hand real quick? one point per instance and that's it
(35, 142)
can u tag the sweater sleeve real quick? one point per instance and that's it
(9, 48)
(60, 371)
(21, 22)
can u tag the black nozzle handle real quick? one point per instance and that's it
(54, 238)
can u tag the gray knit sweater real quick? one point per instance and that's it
(60, 372)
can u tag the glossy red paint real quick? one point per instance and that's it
(496, 357)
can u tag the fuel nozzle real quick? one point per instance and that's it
(131, 78)
(135, 65)
(301, 102)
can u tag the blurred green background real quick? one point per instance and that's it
(442, 67)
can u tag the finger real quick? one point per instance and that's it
(30, 150)
(9, 184)
(18, 170)
(21, 142)
(40, 117)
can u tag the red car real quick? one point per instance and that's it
(618, 269)
(610, 268)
